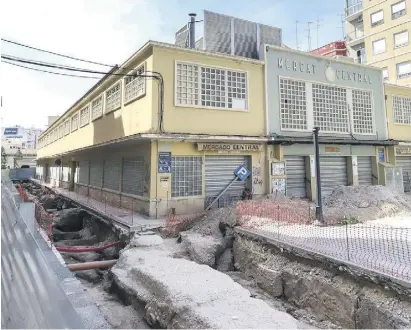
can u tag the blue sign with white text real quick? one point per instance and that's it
(242, 172)
(11, 131)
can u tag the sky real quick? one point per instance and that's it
(109, 31)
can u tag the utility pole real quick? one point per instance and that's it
(309, 35)
(318, 29)
(296, 34)
(319, 203)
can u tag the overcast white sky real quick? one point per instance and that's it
(109, 31)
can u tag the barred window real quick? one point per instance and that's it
(74, 122)
(362, 112)
(67, 127)
(402, 109)
(211, 87)
(113, 98)
(133, 176)
(187, 84)
(186, 176)
(84, 116)
(134, 86)
(97, 108)
(330, 108)
(112, 172)
(293, 104)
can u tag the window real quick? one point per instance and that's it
(377, 18)
(293, 105)
(186, 176)
(67, 127)
(402, 109)
(134, 177)
(378, 46)
(74, 122)
(97, 108)
(61, 131)
(134, 86)
(404, 69)
(398, 9)
(211, 87)
(362, 112)
(330, 108)
(113, 98)
(84, 116)
(401, 39)
(385, 74)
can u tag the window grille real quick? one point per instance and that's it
(186, 176)
(84, 116)
(293, 105)
(402, 109)
(97, 108)
(67, 127)
(135, 86)
(362, 112)
(74, 122)
(113, 98)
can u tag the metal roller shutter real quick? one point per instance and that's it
(219, 172)
(96, 173)
(112, 171)
(133, 176)
(65, 173)
(364, 170)
(405, 163)
(83, 171)
(333, 173)
(295, 171)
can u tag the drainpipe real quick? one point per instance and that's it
(92, 265)
(192, 36)
(319, 202)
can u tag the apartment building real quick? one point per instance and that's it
(378, 34)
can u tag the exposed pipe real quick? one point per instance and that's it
(192, 31)
(86, 249)
(91, 265)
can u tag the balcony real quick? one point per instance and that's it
(354, 11)
(355, 38)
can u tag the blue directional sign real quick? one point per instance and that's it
(242, 172)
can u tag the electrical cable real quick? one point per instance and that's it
(57, 54)
(45, 71)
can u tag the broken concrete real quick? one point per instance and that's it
(327, 293)
(178, 293)
(202, 249)
(90, 275)
(225, 261)
(69, 220)
(82, 256)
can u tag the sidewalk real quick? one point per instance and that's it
(125, 217)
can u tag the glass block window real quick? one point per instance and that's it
(67, 127)
(133, 181)
(134, 86)
(97, 108)
(211, 87)
(187, 84)
(84, 116)
(74, 122)
(113, 98)
(293, 105)
(402, 109)
(330, 108)
(186, 176)
(362, 112)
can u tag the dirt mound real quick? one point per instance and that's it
(363, 203)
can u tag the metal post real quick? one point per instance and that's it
(319, 203)
(221, 193)
(192, 31)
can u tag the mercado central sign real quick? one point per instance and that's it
(330, 73)
(229, 147)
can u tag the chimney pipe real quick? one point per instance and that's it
(192, 35)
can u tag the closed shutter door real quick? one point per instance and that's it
(295, 171)
(133, 176)
(83, 172)
(65, 173)
(96, 173)
(112, 170)
(405, 163)
(219, 172)
(364, 170)
(333, 173)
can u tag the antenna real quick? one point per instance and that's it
(342, 25)
(309, 35)
(296, 34)
(319, 20)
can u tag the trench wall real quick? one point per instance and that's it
(328, 291)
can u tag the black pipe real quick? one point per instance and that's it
(319, 202)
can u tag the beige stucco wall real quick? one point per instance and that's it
(400, 132)
(206, 120)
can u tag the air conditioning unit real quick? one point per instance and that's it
(359, 20)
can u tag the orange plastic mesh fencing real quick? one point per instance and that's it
(44, 220)
(178, 223)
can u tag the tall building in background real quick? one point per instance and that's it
(378, 34)
(334, 49)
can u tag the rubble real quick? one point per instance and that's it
(204, 249)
